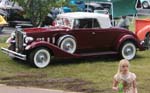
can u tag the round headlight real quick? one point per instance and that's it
(28, 39)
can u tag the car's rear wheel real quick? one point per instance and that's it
(128, 50)
(147, 41)
(68, 44)
(145, 5)
(40, 57)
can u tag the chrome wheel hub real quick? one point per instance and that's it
(68, 46)
(128, 51)
(41, 57)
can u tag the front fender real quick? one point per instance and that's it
(131, 38)
(142, 33)
(57, 52)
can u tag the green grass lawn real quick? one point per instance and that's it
(91, 75)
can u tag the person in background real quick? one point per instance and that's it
(124, 22)
(124, 80)
(48, 20)
(54, 12)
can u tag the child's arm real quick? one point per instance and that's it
(115, 83)
(134, 86)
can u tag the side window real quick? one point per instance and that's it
(86, 23)
(95, 23)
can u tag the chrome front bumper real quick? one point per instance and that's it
(13, 54)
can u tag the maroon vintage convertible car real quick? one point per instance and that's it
(74, 35)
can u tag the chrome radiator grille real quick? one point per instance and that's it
(19, 41)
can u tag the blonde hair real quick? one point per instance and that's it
(121, 63)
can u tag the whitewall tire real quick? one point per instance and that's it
(40, 58)
(128, 50)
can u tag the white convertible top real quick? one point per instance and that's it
(82, 15)
(103, 19)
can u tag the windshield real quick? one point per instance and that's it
(67, 22)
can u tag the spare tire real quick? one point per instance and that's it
(67, 43)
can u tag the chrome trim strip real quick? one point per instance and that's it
(13, 54)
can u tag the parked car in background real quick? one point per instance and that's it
(106, 6)
(6, 4)
(145, 4)
(16, 18)
(14, 14)
(75, 35)
(90, 7)
(142, 30)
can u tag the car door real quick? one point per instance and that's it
(91, 37)
(105, 39)
(102, 39)
(84, 35)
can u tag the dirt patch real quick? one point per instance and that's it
(42, 81)
(24, 76)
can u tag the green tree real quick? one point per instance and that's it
(36, 10)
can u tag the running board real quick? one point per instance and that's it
(98, 53)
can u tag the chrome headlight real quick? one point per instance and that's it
(28, 39)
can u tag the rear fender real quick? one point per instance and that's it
(129, 38)
(143, 32)
(57, 52)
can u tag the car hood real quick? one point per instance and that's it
(45, 29)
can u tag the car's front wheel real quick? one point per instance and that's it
(128, 50)
(40, 57)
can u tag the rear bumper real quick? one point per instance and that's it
(13, 54)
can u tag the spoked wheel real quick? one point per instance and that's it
(147, 41)
(68, 44)
(145, 5)
(128, 50)
(40, 58)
